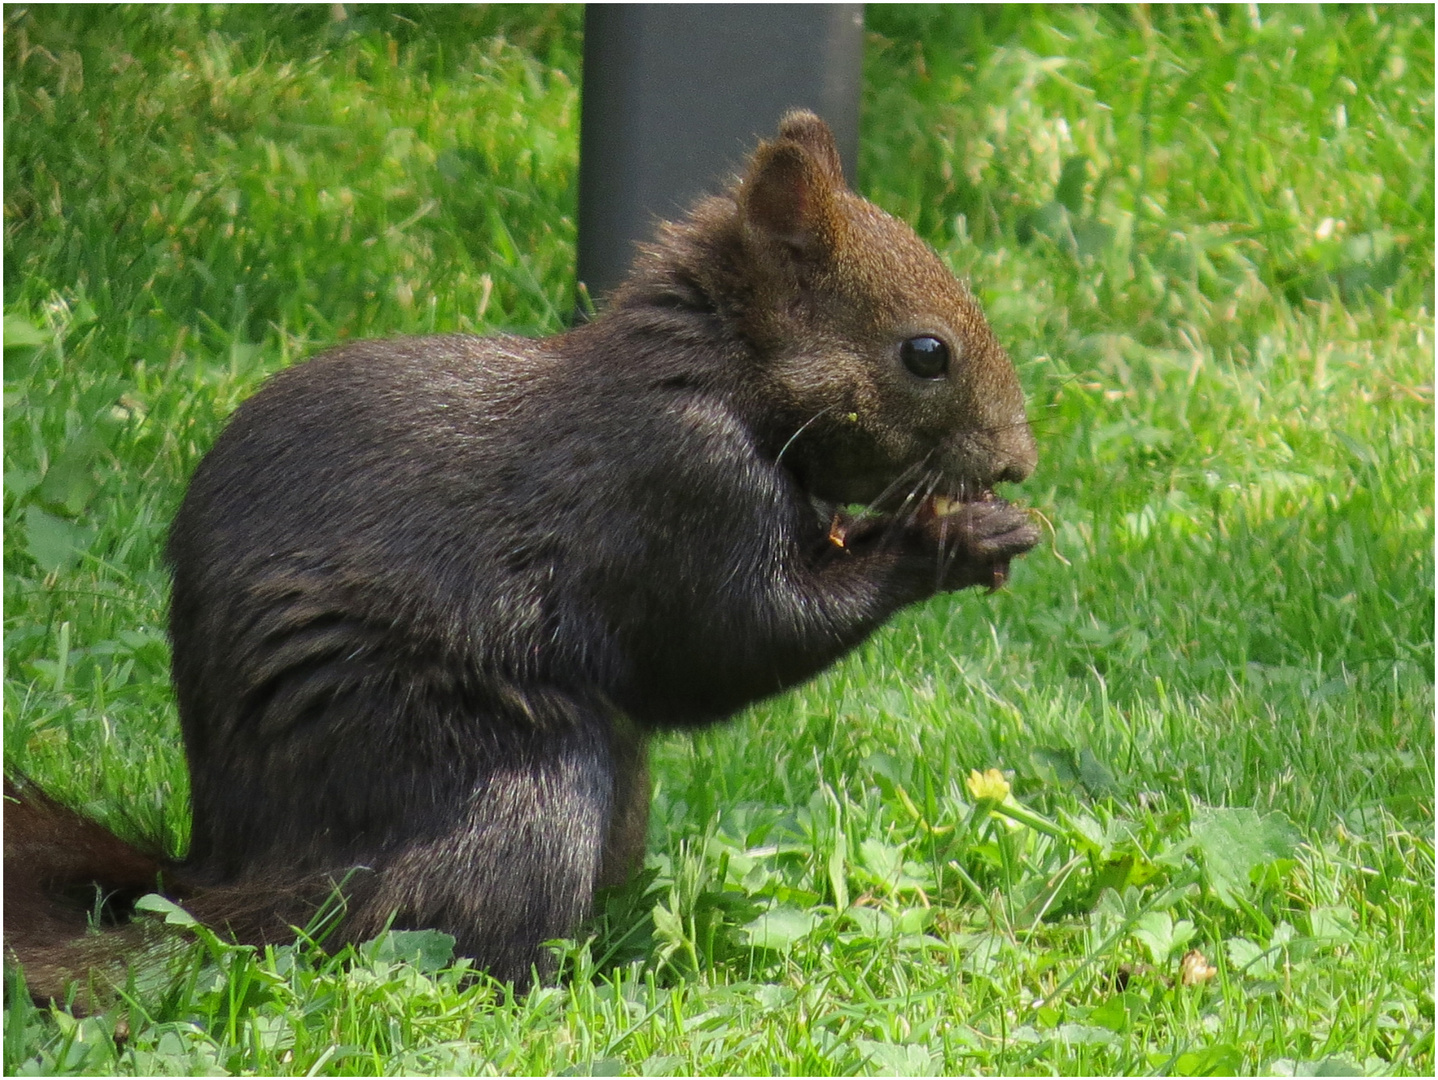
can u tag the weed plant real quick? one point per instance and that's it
(1165, 804)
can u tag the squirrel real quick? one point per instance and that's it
(432, 595)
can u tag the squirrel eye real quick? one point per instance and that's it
(925, 356)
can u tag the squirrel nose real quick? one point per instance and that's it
(1017, 455)
(1007, 456)
(1015, 473)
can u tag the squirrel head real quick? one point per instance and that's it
(877, 375)
(869, 339)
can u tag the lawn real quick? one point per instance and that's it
(1206, 237)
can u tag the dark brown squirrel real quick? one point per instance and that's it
(432, 595)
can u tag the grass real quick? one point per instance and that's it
(1206, 237)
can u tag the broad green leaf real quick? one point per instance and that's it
(20, 333)
(981, 952)
(597, 1067)
(1249, 958)
(1117, 1013)
(914, 920)
(667, 925)
(780, 927)
(1332, 925)
(1218, 1060)
(69, 484)
(174, 914)
(890, 1059)
(1162, 936)
(1329, 1066)
(53, 542)
(1085, 1035)
(428, 950)
(1054, 764)
(1234, 841)
(884, 862)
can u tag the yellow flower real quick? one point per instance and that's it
(987, 785)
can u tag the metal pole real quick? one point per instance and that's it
(676, 94)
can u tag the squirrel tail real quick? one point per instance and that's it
(62, 871)
(67, 877)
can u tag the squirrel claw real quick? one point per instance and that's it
(1000, 576)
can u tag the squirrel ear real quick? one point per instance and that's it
(788, 196)
(806, 129)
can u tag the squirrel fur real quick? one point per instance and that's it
(431, 595)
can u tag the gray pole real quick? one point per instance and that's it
(676, 94)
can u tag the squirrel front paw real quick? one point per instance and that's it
(972, 542)
(953, 543)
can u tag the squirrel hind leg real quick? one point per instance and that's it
(547, 821)
(625, 842)
(520, 864)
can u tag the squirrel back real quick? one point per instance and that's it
(431, 595)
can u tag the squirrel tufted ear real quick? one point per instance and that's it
(788, 196)
(806, 129)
